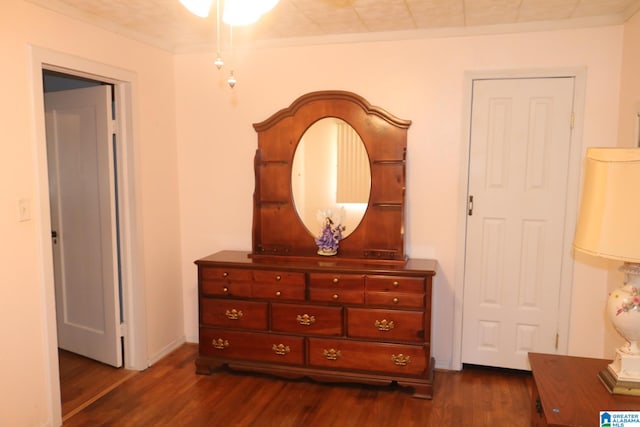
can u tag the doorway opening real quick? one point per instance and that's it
(82, 152)
(133, 334)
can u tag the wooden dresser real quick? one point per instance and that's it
(326, 319)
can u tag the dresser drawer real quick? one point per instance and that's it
(225, 282)
(222, 288)
(395, 359)
(395, 284)
(336, 281)
(385, 325)
(337, 296)
(279, 285)
(306, 319)
(233, 313)
(228, 274)
(251, 346)
(278, 277)
(395, 299)
(278, 291)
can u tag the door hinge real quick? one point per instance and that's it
(113, 129)
(557, 339)
(470, 205)
(572, 120)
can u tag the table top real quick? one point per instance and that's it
(241, 259)
(571, 392)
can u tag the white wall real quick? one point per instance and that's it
(421, 80)
(25, 384)
(630, 84)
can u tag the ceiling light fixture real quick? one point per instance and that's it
(245, 12)
(235, 13)
(198, 7)
(232, 79)
(218, 62)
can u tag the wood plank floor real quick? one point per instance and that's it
(171, 394)
(83, 381)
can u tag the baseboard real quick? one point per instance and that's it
(166, 350)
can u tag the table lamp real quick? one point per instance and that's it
(609, 227)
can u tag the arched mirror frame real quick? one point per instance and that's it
(277, 229)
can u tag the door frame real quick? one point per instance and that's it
(133, 298)
(573, 185)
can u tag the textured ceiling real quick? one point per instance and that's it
(168, 25)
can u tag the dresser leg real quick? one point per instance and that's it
(206, 367)
(423, 391)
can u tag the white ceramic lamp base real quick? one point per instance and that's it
(622, 376)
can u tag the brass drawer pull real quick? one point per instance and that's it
(395, 300)
(331, 354)
(400, 359)
(395, 284)
(219, 343)
(278, 278)
(225, 274)
(233, 314)
(335, 280)
(280, 349)
(225, 290)
(335, 296)
(384, 325)
(278, 293)
(305, 319)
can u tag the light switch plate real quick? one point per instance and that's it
(24, 210)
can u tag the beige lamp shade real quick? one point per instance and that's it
(609, 219)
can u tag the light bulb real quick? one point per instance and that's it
(231, 80)
(198, 7)
(245, 12)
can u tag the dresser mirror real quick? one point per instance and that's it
(330, 170)
(283, 224)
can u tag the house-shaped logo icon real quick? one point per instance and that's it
(605, 419)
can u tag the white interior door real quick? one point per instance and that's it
(518, 171)
(83, 218)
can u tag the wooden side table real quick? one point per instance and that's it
(568, 392)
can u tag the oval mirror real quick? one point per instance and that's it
(331, 173)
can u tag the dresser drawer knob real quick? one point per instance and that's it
(280, 349)
(278, 278)
(225, 274)
(384, 325)
(335, 280)
(278, 293)
(395, 300)
(233, 314)
(335, 296)
(396, 284)
(219, 343)
(225, 290)
(331, 354)
(305, 319)
(400, 359)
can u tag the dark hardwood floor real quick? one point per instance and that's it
(170, 393)
(83, 381)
